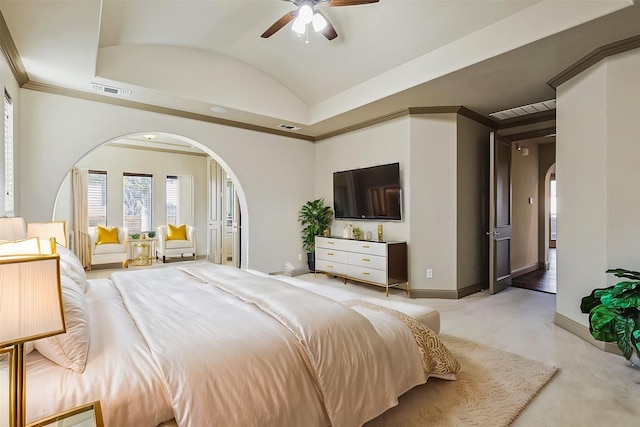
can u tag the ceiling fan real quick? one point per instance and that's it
(307, 14)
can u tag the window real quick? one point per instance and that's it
(97, 195)
(8, 194)
(172, 199)
(137, 202)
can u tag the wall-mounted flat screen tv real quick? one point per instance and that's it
(368, 193)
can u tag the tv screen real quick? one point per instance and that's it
(368, 193)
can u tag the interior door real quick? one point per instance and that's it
(499, 213)
(215, 217)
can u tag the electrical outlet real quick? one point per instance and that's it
(299, 257)
(429, 273)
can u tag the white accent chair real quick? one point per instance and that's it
(109, 253)
(167, 248)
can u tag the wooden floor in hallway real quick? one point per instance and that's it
(539, 280)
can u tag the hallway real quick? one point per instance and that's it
(539, 280)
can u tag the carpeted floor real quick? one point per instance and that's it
(493, 387)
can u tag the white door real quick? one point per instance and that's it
(215, 217)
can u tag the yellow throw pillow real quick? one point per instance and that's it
(106, 235)
(176, 232)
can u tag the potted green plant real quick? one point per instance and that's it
(614, 313)
(315, 218)
(134, 236)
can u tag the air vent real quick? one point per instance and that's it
(288, 127)
(524, 110)
(109, 89)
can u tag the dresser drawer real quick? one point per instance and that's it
(332, 255)
(368, 261)
(329, 243)
(331, 267)
(366, 247)
(368, 274)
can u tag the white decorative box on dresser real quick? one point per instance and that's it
(377, 263)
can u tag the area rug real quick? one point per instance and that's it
(493, 387)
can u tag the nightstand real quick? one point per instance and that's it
(89, 415)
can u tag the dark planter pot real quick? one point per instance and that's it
(311, 261)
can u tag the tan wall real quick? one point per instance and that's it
(524, 224)
(433, 201)
(472, 191)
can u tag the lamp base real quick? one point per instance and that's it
(17, 395)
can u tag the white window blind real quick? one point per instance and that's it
(172, 199)
(137, 202)
(8, 196)
(97, 198)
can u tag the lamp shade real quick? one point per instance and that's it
(30, 299)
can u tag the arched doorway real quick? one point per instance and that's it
(168, 159)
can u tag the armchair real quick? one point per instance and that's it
(168, 248)
(108, 253)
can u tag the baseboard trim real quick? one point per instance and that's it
(544, 265)
(524, 270)
(446, 294)
(582, 331)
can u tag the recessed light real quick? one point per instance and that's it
(218, 109)
(149, 137)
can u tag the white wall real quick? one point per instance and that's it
(117, 160)
(598, 170)
(376, 145)
(274, 174)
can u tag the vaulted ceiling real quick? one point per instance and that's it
(195, 56)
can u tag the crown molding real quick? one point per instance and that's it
(11, 54)
(56, 90)
(593, 58)
(538, 133)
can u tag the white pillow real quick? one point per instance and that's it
(71, 267)
(70, 349)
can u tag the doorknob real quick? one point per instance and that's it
(493, 233)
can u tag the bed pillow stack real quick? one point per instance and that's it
(71, 267)
(70, 349)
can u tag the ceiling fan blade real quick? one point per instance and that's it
(279, 24)
(328, 31)
(336, 3)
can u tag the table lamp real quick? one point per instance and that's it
(30, 308)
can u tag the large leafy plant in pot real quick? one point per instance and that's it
(614, 313)
(315, 218)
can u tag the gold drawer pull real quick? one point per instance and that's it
(330, 243)
(366, 259)
(329, 266)
(365, 246)
(365, 273)
(330, 253)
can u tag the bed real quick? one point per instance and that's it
(208, 345)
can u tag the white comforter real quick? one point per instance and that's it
(120, 370)
(245, 350)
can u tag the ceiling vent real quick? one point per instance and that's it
(109, 89)
(524, 110)
(288, 127)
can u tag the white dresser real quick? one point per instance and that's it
(377, 263)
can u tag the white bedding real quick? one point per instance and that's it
(120, 370)
(164, 344)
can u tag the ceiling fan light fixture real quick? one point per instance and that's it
(305, 14)
(319, 23)
(298, 26)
